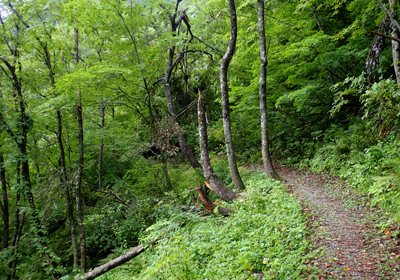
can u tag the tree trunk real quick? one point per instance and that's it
(14, 241)
(165, 168)
(216, 186)
(395, 44)
(100, 168)
(315, 13)
(268, 167)
(112, 264)
(78, 191)
(4, 205)
(65, 184)
(226, 59)
(19, 223)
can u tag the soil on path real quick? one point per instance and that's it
(353, 242)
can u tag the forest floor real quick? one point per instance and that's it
(354, 240)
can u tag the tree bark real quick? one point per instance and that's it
(216, 186)
(395, 44)
(268, 167)
(165, 168)
(19, 223)
(78, 198)
(103, 124)
(226, 59)
(114, 263)
(4, 205)
(315, 13)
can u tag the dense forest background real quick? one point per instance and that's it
(96, 97)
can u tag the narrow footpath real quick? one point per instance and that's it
(353, 240)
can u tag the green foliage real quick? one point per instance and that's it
(266, 233)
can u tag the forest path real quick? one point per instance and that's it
(353, 243)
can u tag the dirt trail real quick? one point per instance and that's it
(352, 245)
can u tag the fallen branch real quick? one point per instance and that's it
(113, 263)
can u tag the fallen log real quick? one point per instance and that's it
(113, 263)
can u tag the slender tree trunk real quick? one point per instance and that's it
(165, 168)
(395, 44)
(19, 223)
(65, 184)
(103, 124)
(79, 211)
(4, 205)
(268, 167)
(226, 59)
(216, 186)
(315, 13)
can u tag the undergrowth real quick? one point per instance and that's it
(266, 234)
(374, 170)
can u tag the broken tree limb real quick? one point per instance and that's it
(384, 36)
(215, 184)
(224, 211)
(113, 263)
(206, 201)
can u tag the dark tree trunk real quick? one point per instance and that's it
(268, 167)
(223, 192)
(165, 168)
(4, 205)
(315, 13)
(17, 226)
(66, 186)
(226, 59)
(78, 198)
(19, 223)
(103, 124)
